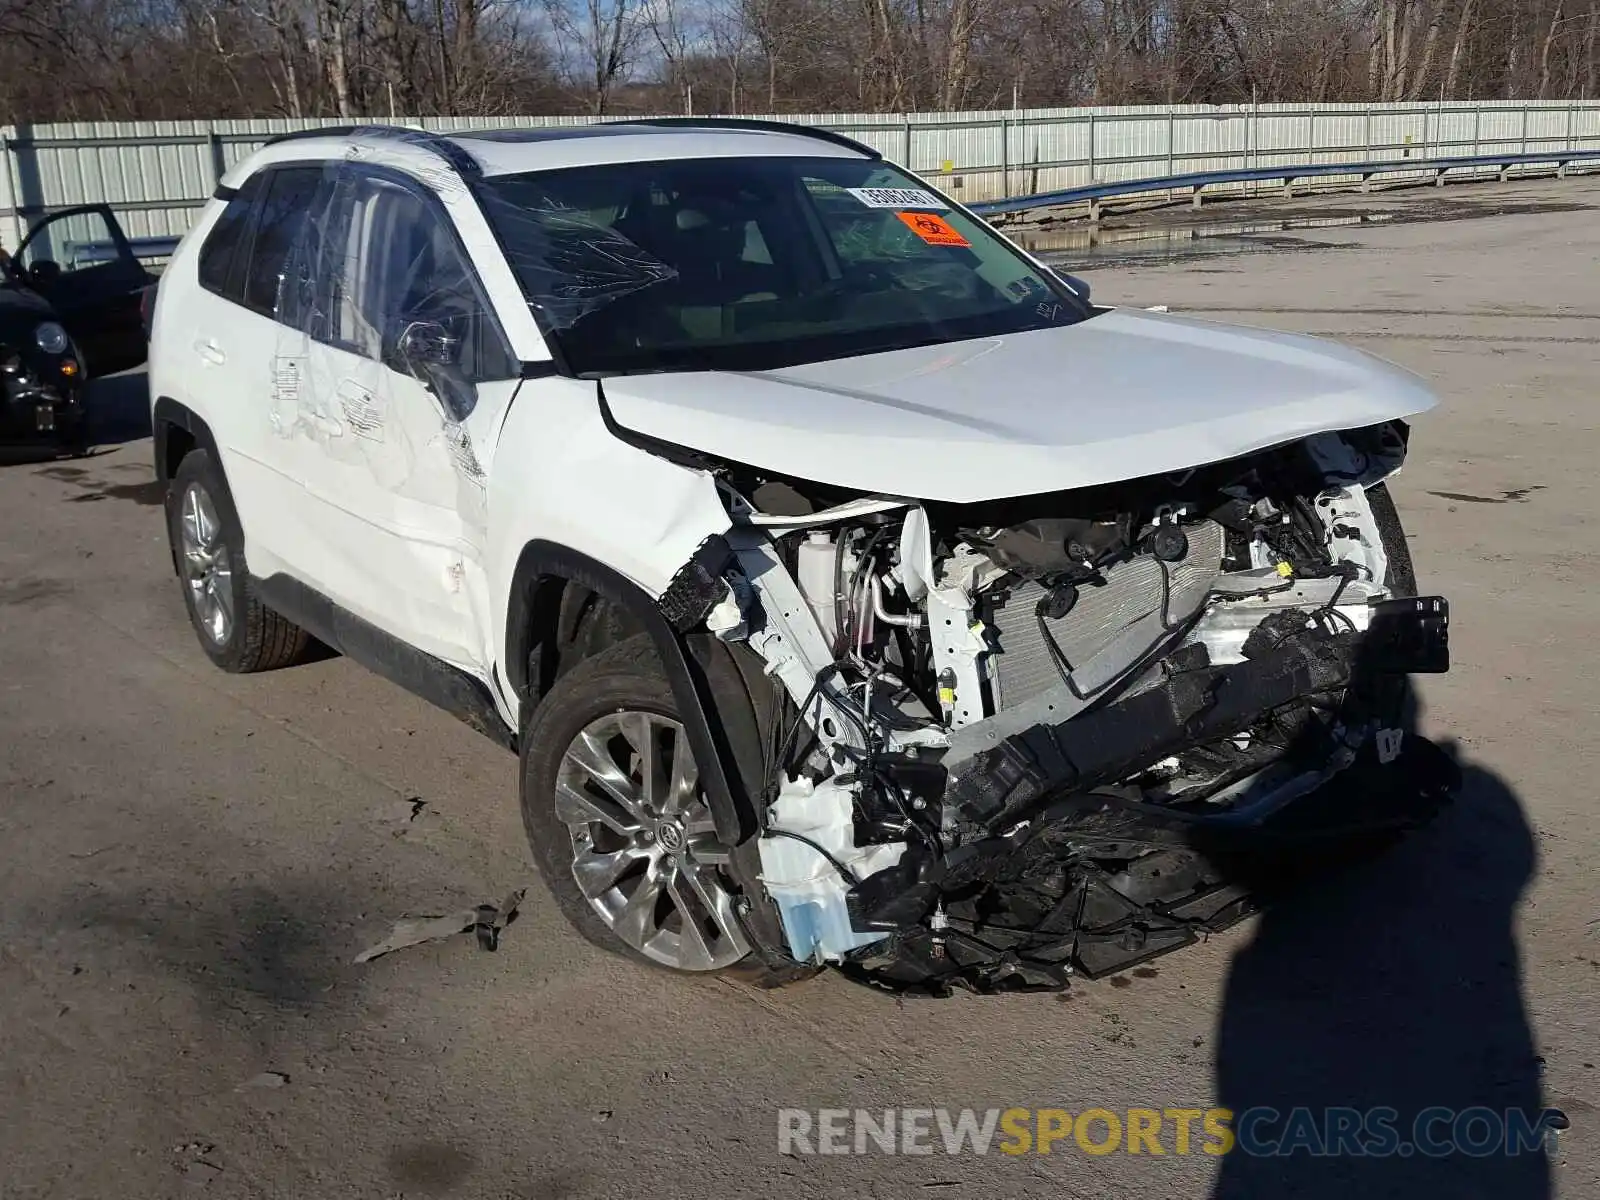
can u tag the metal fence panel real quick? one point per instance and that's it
(156, 174)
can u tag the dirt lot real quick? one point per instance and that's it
(189, 861)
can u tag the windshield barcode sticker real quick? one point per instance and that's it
(897, 198)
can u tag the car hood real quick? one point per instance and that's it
(1119, 396)
(22, 309)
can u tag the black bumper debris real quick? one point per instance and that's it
(1197, 704)
(1098, 885)
(1053, 868)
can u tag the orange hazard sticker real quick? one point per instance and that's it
(936, 231)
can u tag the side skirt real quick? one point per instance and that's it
(437, 682)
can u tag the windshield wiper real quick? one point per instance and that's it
(618, 372)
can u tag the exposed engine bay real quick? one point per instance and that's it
(1060, 734)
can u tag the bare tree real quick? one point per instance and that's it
(670, 30)
(603, 38)
(166, 59)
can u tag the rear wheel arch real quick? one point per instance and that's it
(238, 631)
(175, 431)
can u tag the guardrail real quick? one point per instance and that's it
(88, 254)
(1198, 181)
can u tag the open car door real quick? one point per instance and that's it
(80, 261)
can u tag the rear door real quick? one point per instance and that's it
(218, 348)
(80, 260)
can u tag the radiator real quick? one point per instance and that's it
(1110, 626)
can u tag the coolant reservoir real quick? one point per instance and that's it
(815, 574)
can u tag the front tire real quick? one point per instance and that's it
(237, 631)
(1402, 578)
(621, 830)
(76, 443)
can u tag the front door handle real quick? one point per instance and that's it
(211, 352)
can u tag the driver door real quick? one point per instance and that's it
(403, 375)
(80, 261)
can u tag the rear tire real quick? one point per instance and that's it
(237, 631)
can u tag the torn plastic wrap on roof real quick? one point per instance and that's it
(443, 178)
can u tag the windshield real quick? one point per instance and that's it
(752, 264)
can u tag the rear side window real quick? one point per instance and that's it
(222, 253)
(286, 209)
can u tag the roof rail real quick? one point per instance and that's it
(455, 155)
(811, 131)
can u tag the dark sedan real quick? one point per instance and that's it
(69, 311)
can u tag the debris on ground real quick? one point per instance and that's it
(194, 1163)
(406, 814)
(267, 1079)
(93, 853)
(200, 1171)
(486, 920)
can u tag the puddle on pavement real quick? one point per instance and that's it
(1075, 244)
(1510, 496)
(149, 492)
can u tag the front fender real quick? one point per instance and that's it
(570, 501)
(716, 709)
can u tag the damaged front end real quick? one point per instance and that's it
(1061, 734)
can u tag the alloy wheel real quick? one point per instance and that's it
(645, 852)
(207, 566)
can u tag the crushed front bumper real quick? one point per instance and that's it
(1049, 866)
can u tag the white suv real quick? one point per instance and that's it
(855, 591)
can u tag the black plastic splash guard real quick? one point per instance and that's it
(1098, 885)
(1056, 870)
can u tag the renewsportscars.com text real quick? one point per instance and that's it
(1262, 1131)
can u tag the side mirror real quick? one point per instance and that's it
(429, 353)
(43, 273)
(424, 344)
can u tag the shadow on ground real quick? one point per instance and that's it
(1396, 984)
(266, 949)
(119, 409)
